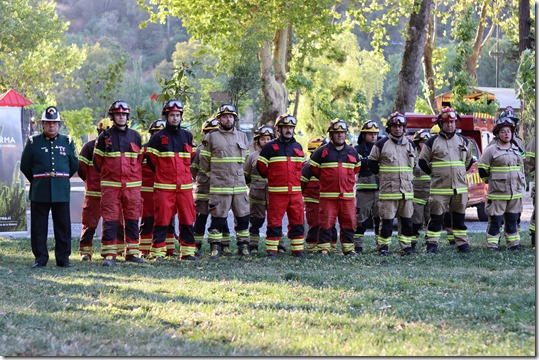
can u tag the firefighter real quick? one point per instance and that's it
(48, 161)
(202, 192)
(222, 156)
(530, 170)
(336, 165)
(280, 161)
(501, 166)
(421, 189)
(169, 155)
(367, 186)
(118, 158)
(392, 159)
(148, 207)
(91, 208)
(446, 157)
(258, 187)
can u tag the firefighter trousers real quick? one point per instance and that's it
(331, 210)
(292, 205)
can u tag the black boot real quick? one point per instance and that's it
(198, 253)
(383, 250)
(432, 248)
(464, 248)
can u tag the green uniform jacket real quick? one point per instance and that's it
(48, 163)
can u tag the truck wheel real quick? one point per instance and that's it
(481, 214)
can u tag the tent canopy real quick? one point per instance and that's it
(13, 98)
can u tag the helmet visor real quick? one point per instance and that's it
(338, 126)
(227, 108)
(288, 120)
(370, 125)
(169, 106)
(120, 104)
(449, 116)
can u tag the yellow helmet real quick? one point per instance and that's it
(435, 129)
(157, 125)
(209, 125)
(315, 143)
(369, 127)
(104, 124)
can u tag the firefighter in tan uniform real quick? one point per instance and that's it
(367, 186)
(258, 187)
(530, 170)
(446, 157)
(222, 156)
(202, 192)
(501, 166)
(421, 189)
(392, 159)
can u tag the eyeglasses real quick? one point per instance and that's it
(288, 120)
(171, 103)
(227, 108)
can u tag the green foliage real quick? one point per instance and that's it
(480, 304)
(525, 86)
(464, 33)
(33, 56)
(12, 201)
(79, 123)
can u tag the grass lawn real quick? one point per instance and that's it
(477, 304)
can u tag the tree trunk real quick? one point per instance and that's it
(408, 79)
(273, 66)
(479, 42)
(428, 67)
(524, 40)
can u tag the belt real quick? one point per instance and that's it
(52, 174)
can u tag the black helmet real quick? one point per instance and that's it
(395, 119)
(510, 113)
(503, 122)
(422, 134)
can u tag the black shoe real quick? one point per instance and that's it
(198, 253)
(67, 265)
(86, 257)
(452, 242)
(188, 258)
(172, 255)
(358, 250)
(134, 259)
(515, 248)
(464, 248)
(215, 251)
(37, 265)
(494, 248)
(225, 250)
(383, 250)
(432, 248)
(281, 249)
(300, 254)
(413, 245)
(407, 251)
(272, 255)
(109, 262)
(158, 259)
(352, 253)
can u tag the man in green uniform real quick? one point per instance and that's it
(48, 161)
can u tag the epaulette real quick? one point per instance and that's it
(31, 138)
(69, 139)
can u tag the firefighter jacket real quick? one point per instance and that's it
(516, 140)
(202, 190)
(310, 185)
(48, 163)
(148, 176)
(366, 180)
(336, 170)
(392, 159)
(87, 170)
(281, 162)
(421, 183)
(258, 186)
(222, 157)
(503, 170)
(118, 157)
(530, 157)
(169, 154)
(446, 161)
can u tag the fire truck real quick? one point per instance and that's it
(477, 128)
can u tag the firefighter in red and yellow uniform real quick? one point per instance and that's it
(258, 187)
(169, 154)
(310, 188)
(421, 189)
(222, 156)
(392, 159)
(367, 186)
(202, 192)
(118, 157)
(530, 170)
(91, 208)
(148, 207)
(446, 158)
(280, 161)
(336, 165)
(501, 166)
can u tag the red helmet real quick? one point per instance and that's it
(447, 114)
(119, 107)
(172, 105)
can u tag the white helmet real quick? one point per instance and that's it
(51, 114)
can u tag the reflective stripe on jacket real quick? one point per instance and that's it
(87, 171)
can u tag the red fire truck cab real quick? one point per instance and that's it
(478, 129)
